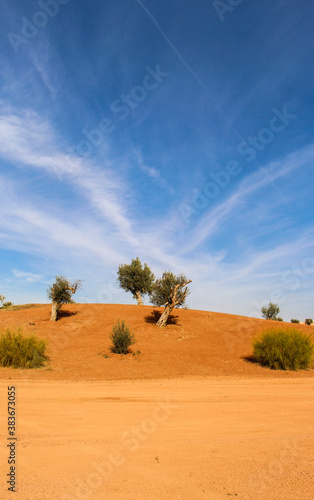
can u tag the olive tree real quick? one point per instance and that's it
(271, 312)
(136, 278)
(169, 291)
(60, 293)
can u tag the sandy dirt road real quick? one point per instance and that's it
(211, 438)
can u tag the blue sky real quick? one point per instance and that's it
(179, 132)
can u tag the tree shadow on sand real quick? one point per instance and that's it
(66, 314)
(250, 359)
(154, 316)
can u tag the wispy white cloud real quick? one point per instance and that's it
(29, 141)
(152, 172)
(27, 226)
(41, 68)
(261, 179)
(27, 276)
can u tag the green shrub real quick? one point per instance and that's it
(278, 318)
(121, 338)
(308, 321)
(295, 321)
(7, 304)
(284, 349)
(21, 352)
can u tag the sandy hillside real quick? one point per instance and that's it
(200, 343)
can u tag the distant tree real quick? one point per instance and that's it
(308, 321)
(136, 279)
(3, 303)
(169, 291)
(271, 311)
(60, 293)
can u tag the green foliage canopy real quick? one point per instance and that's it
(271, 311)
(135, 277)
(163, 290)
(62, 290)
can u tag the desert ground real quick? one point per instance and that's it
(189, 416)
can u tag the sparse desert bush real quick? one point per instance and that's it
(17, 351)
(308, 321)
(284, 349)
(295, 321)
(121, 338)
(278, 318)
(7, 304)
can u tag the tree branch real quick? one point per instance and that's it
(176, 288)
(162, 293)
(75, 287)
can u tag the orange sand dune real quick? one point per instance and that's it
(201, 343)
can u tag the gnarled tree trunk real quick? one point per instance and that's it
(55, 308)
(172, 303)
(138, 298)
(164, 317)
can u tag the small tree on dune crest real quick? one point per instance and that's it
(136, 278)
(271, 312)
(61, 293)
(169, 291)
